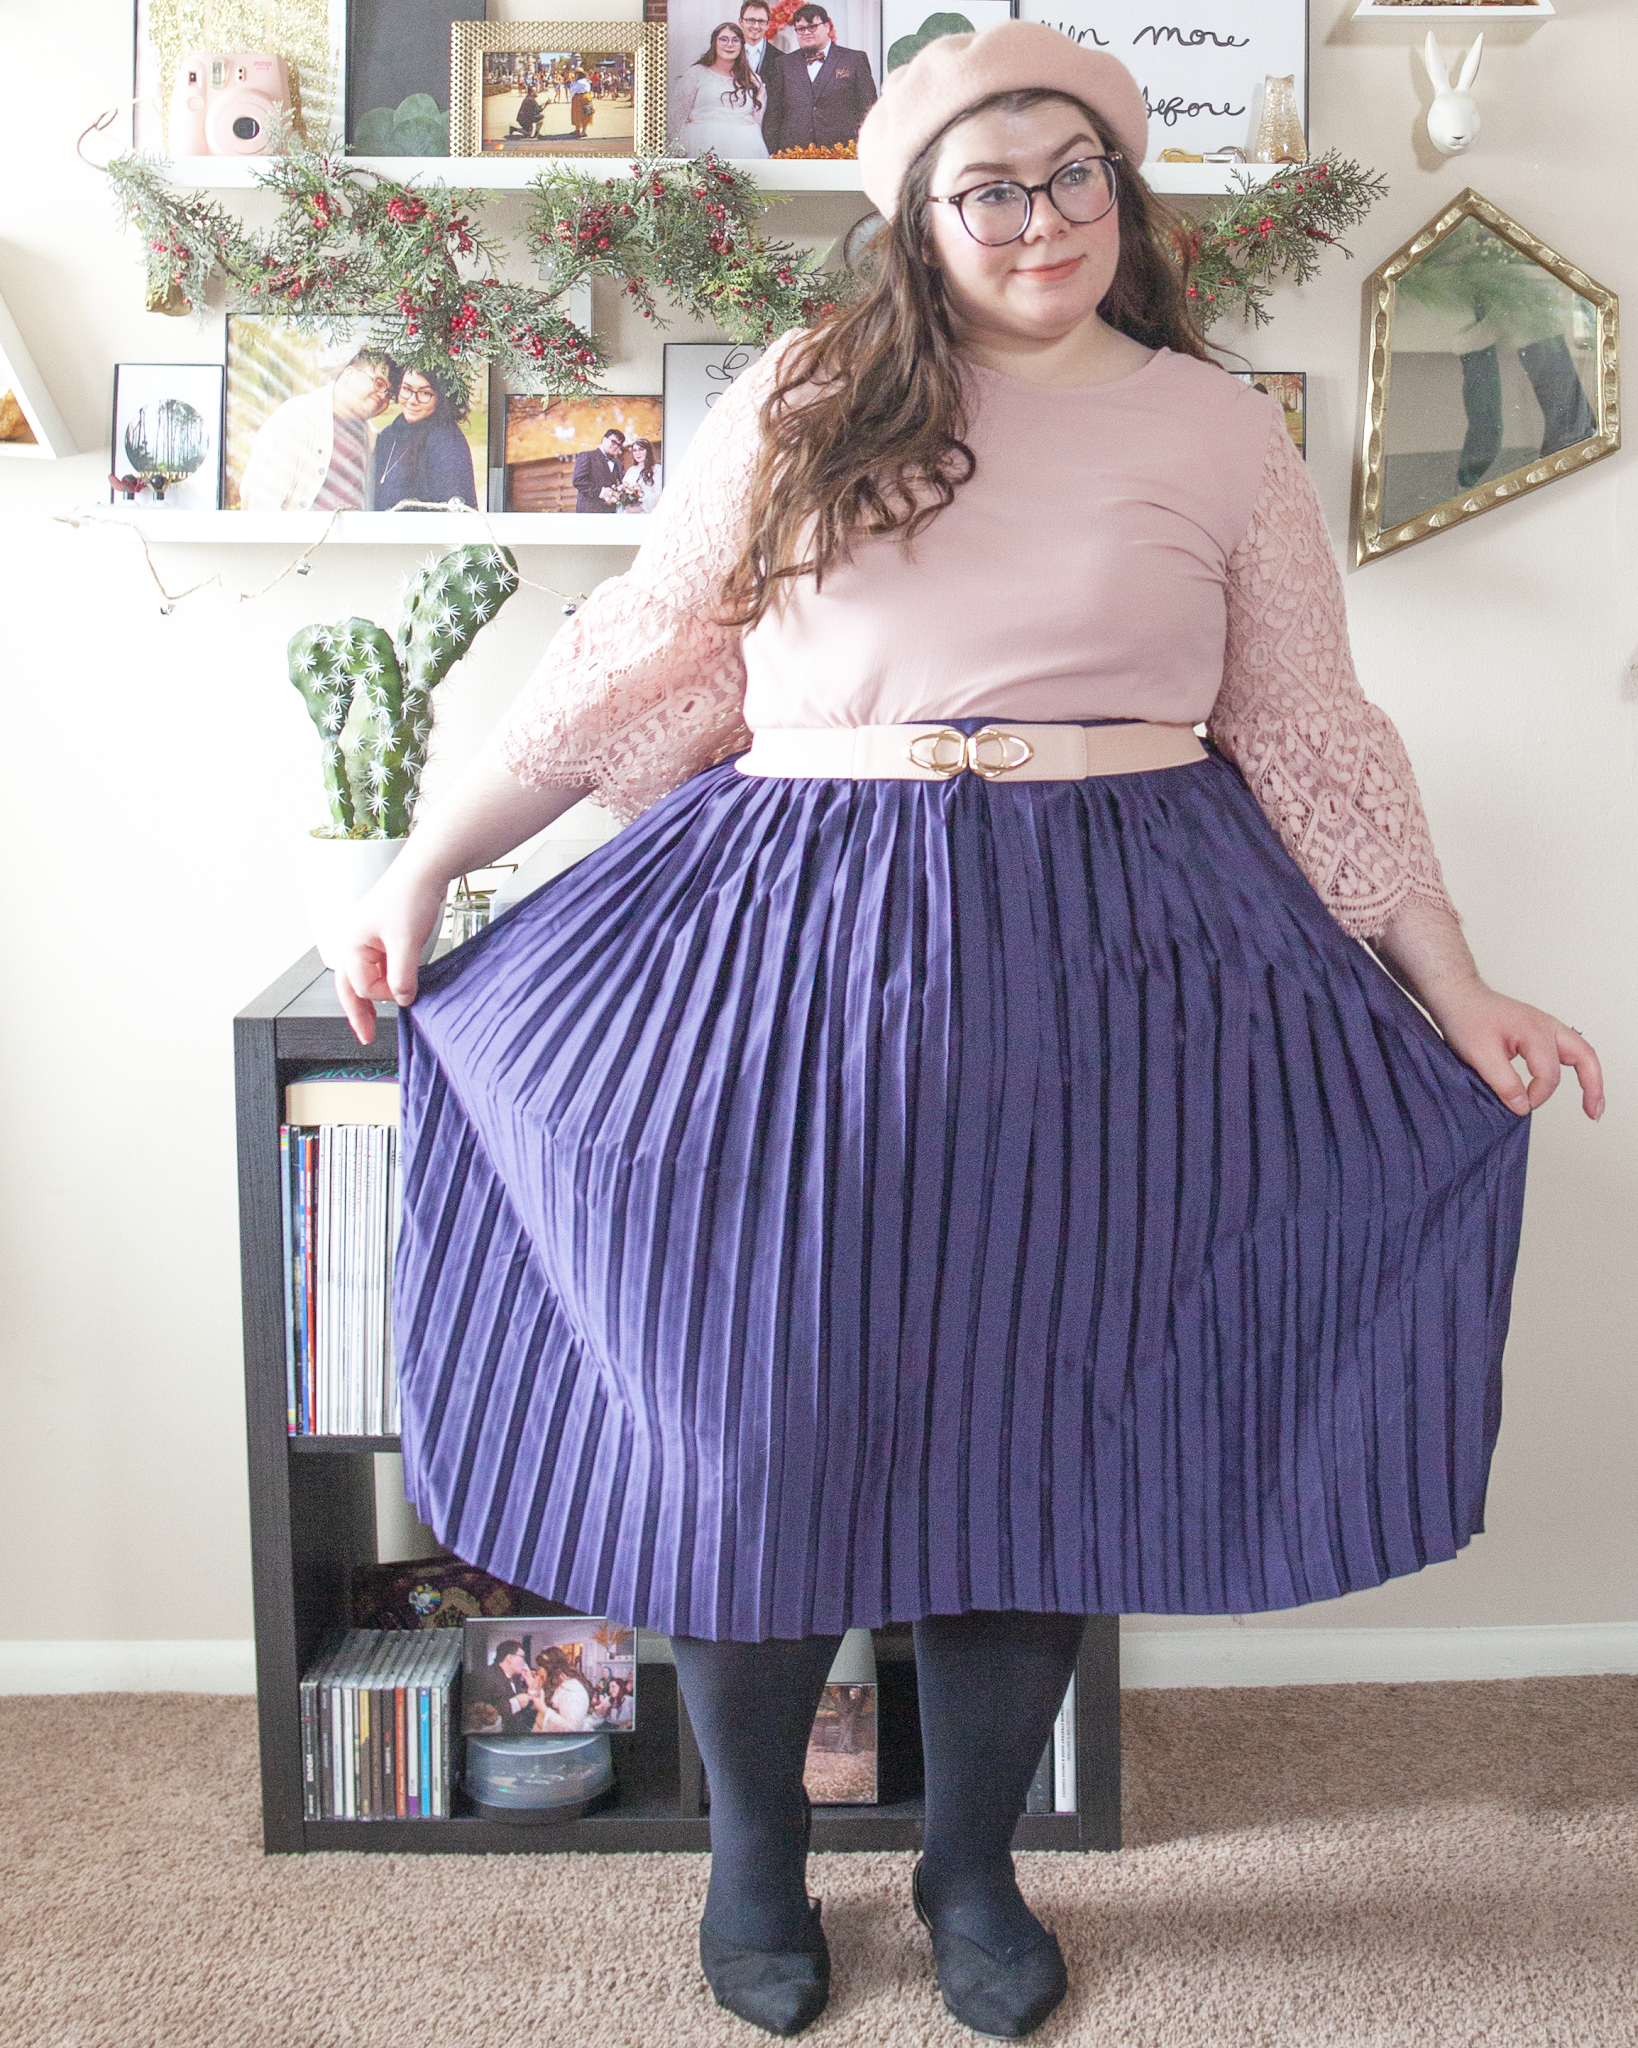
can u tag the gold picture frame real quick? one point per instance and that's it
(1382, 527)
(471, 42)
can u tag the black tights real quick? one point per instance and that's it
(990, 1686)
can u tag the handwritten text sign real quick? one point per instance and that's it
(1201, 63)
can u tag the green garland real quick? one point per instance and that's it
(411, 262)
(1265, 232)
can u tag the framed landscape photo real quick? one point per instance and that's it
(909, 25)
(168, 434)
(1289, 389)
(327, 425)
(557, 88)
(602, 454)
(1202, 74)
(697, 373)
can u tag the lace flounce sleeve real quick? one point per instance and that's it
(1327, 766)
(643, 688)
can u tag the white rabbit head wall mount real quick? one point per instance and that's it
(1453, 119)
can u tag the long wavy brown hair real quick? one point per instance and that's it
(875, 443)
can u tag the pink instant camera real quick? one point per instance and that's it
(228, 103)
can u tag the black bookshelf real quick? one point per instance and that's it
(312, 1515)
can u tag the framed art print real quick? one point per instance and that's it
(1289, 389)
(333, 425)
(909, 25)
(30, 424)
(557, 88)
(1202, 74)
(697, 373)
(168, 435)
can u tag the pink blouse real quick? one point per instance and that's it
(1151, 548)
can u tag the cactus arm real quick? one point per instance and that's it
(445, 609)
(383, 791)
(327, 691)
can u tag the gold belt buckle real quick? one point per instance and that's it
(936, 757)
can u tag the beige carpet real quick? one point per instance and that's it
(1382, 1865)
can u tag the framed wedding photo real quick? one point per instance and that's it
(567, 1675)
(601, 454)
(1289, 390)
(167, 440)
(557, 88)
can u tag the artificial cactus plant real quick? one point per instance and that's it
(370, 695)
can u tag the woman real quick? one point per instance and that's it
(422, 457)
(565, 1697)
(642, 474)
(580, 105)
(951, 1160)
(718, 101)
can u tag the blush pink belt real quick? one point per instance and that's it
(1002, 752)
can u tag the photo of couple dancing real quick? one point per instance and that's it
(519, 1684)
(743, 96)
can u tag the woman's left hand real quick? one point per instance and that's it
(1490, 1031)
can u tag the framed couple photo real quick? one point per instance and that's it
(568, 1675)
(557, 88)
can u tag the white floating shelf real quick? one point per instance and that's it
(512, 173)
(386, 529)
(1448, 10)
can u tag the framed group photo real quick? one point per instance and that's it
(316, 424)
(602, 454)
(764, 78)
(167, 436)
(557, 88)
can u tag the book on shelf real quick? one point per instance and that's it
(1063, 1754)
(379, 1720)
(339, 1206)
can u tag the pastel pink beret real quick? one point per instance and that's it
(953, 73)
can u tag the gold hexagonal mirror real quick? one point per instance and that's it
(1493, 370)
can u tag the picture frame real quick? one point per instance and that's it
(698, 118)
(167, 434)
(31, 427)
(493, 63)
(1289, 390)
(1204, 84)
(695, 375)
(548, 1675)
(547, 439)
(408, 451)
(399, 74)
(906, 22)
(311, 39)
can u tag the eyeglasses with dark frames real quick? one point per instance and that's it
(1000, 210)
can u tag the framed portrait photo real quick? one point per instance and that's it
(557, 88)
(908, 26)
(602, 454)
(566, 1675)
(1289, 389)
(697, 373)
(167, 438)
(316, 424)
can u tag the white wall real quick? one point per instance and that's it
(157, 771)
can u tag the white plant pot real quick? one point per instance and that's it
(336, 875)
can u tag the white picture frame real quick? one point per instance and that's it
(696, 374)
(142, 392)
(50, 439)
(1204, 94)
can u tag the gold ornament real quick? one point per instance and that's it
(1280, 138)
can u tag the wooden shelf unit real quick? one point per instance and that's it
(312, 1518)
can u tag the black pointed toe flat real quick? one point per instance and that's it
(779, 1990)
(1001, 1997)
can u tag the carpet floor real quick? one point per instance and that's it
(1364, 1866)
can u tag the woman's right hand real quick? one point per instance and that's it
(378, 950)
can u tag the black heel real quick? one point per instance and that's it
(1001, 1997)
(779, 1990)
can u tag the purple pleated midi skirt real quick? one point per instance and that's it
(833, 1202)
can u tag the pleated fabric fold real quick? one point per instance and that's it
(833, 1202)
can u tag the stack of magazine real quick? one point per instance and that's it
(379, 1724)
(1052, 1790)
(338, 1153)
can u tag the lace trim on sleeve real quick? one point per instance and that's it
(642, 688)
(1327, 766)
